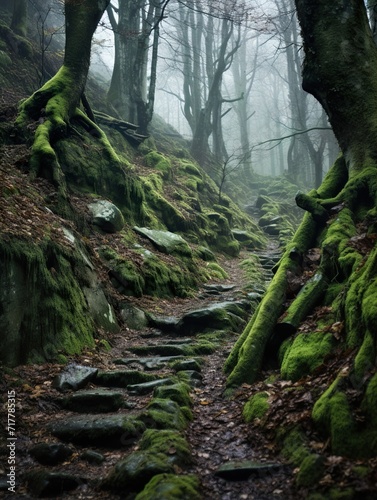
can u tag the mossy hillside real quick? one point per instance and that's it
(88, 169)
(55, 315)
(152, 275)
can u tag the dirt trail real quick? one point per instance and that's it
(217, 434)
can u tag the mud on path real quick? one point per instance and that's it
(217, 435)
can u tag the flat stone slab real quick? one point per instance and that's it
(220, 288)
(148, 387)
(162, 349)
(165, 241)
(154, 363)
(122, 378)
(93, 430)
(74, 377)
(94, 401)
(242, 470)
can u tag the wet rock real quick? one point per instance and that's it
(148, 387)
(220, 287)
(74, 377)
(50, 453)
(165, 241)
(100, 310)
(106, 216)
(113, 430)
(242, 470)
(122, 378)
(42, 483)
(162, 349)
(93, 457)
(154, 363)
(133, 317)
(165, 323)
(272, 229)
(94, 401)
(220, 315)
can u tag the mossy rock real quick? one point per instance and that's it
(311, 471)
(166, 414)
(178, 392)
(256, 407)
(332, 414)
(305, 354)
(168, 442)
(165, 241)
(171, 487)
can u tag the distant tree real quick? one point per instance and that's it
(19, 23)
(134, 24)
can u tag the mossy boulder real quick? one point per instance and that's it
(159, 162)
(166, 414)
(305, 354)
(159, 452)
(256, 407)
(106, 216)
(165, 241)
(171, 487)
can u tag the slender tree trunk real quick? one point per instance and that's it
(19, 18)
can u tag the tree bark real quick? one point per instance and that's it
(19, 18)
(56, 102)
(340, 71)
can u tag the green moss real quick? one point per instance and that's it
(166, 414)
(295, 447)
(253, 271)
(159, 162)
(311, 471)
(127, 277)
(256, 407)
(54, 318)
(168, 442)
(216, 271)
(172, 487)
(332, 413)
(305, 354)
(178, 392)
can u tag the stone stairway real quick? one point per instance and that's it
(123, 434)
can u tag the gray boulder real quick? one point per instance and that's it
(106, 216)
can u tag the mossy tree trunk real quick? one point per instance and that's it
(57, 101)
(340, 70)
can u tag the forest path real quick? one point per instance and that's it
(84, 442)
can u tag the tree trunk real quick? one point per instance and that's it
(19, 18)
(56, 102)
(348, 89)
